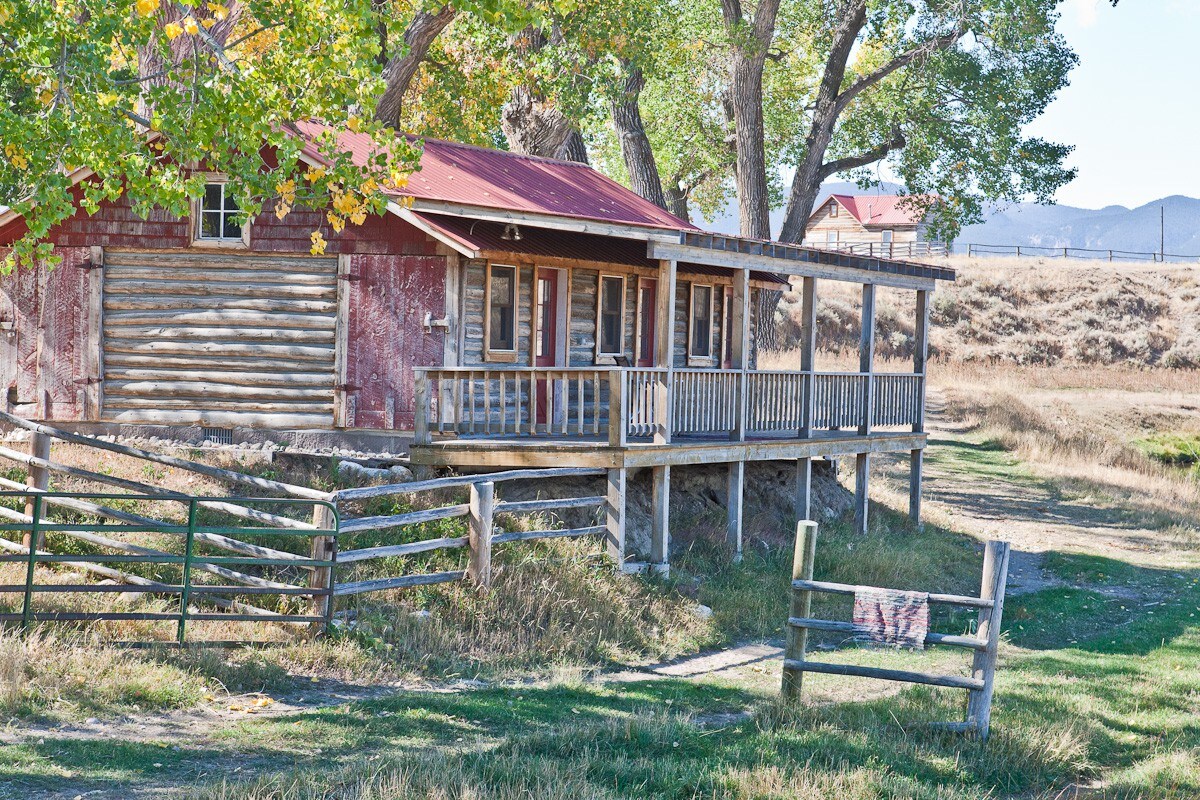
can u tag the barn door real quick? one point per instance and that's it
(219, 339)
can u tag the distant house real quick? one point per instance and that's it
(888, 225)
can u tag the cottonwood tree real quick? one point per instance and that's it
(939, 90)
(137, 91)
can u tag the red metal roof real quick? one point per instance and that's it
(476, 176)
(881, 209)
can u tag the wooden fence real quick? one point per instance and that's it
(623, 404)
(984, 644)
(253, 547)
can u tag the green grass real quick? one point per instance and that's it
(1175, 449)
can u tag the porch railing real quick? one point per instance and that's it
(623, 404)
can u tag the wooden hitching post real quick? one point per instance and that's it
(324, 548)
(995, 576)
(479, 539)
(39, 478)
(801, 606)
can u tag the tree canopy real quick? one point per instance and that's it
(694, 103)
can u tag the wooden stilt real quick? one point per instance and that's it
(862, 474)
(479, 533)
(660, 523)
(803, 489)
(615, 516)
(916, 459)
(733, 504)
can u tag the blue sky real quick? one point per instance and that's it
(1133, 107)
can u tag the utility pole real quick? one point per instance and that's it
(1162, 233)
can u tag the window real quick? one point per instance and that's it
(501, 314)
(726, 328)
(831, 237)
(218, 215)
(610, 334)
(833, 208)
(887, 237)
(700, 340)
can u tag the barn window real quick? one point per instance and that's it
(700, 338)
(610, 336)
(833, 208)
(501, 314)
(219, 215)
(887, 237)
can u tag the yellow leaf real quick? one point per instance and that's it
(172, 30)
(190, 26)
(6, 13)
(208, 23)
(318, 243)
(219, 11)
(147, 7)
(354, 124)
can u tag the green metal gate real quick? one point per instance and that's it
(181, 556)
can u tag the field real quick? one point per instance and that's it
(566, 681)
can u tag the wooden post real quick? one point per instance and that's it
(479, 533)
(801, 605)
(39, 478)
(618, 408)
(862, 476)
(916, 460)
(866, 366)
(664, 345)
(421, 433)
(615, 516)
(660, 521)
(740, 356)
(995, 578)
(733, 505)
(323, 548)
(803, 489)
(808, 353)
(94, 355)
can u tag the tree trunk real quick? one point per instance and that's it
(635, 145)
(677, 201)
(534, 128)
(402, 68)
(750, 174)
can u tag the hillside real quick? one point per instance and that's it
(1031, 312)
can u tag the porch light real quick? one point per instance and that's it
(511, 233)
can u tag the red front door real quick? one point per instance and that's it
(647, 307)
(545, 338)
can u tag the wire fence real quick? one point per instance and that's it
(1081, 253)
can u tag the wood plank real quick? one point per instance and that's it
(906, 676)
(553, 504)
(365, 492)
(358, 524)
(969, 642)
(394, 550)
(849, 588)
(529, 536)
(406, 582)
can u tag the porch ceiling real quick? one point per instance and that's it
(483, 235)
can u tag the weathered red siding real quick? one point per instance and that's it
(45, 351)
(388, 303)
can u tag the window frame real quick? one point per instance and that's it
(601, 353)
(833, 208)
(508, 356)
(694, 358)
(887, 236)
(199, 240)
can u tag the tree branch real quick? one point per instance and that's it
(924, 49)
(896, 142)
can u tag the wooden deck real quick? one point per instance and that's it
(515, 451)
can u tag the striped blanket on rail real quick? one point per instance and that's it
(891, 617)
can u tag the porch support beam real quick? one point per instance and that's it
(808, 353)
(660, 522)
(866, 365)
(664, 348)
(615, 516)
(740, 356)
(920, 364)
(733, 504)
(803, 489)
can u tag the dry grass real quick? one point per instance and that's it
(1037, 312)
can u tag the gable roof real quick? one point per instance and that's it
(463, 174)
(879, 209)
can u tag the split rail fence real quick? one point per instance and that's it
(271, 565)
(984, 644)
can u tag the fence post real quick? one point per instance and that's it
(421, 410)
(186, 590)
(801, 606)
(479, 539)
(995, 576)
(35, 517)
(39, 478)
(324, 548)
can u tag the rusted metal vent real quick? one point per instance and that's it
(217, 435)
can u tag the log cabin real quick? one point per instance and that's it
(888, 225)
(506, 311)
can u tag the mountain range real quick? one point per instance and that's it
(1029, 224)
